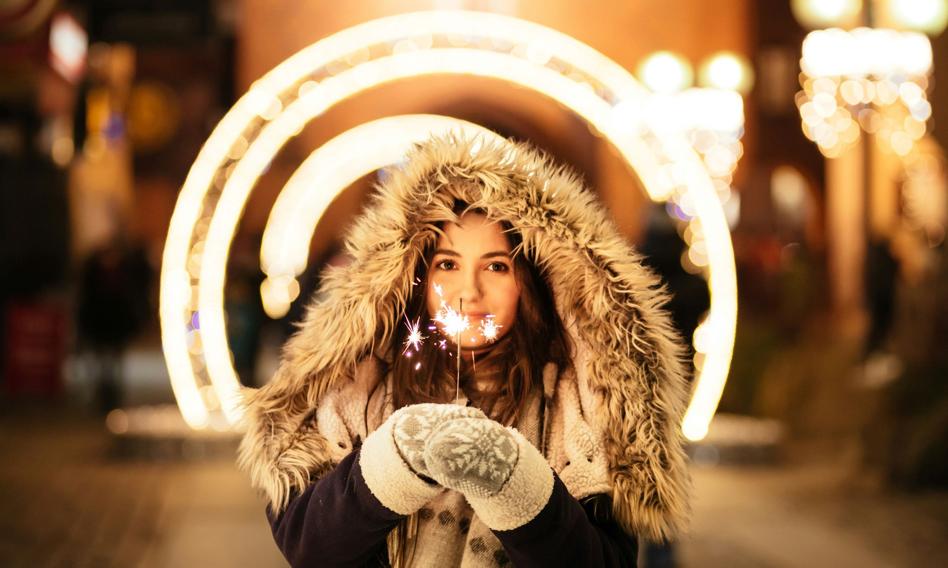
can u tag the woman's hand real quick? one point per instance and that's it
(506, 480)
(472, 455)
(392, 456)
(412, 426)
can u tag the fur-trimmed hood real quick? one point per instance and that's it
(609, 303)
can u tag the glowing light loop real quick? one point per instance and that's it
(279, 105)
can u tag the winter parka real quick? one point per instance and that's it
(626, 379)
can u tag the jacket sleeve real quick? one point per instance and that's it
(343, 519)
(567, 533)
(336, 521)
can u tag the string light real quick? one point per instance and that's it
(866, 79)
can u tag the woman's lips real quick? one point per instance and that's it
(476, 314)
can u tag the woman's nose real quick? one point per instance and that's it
(470, 288)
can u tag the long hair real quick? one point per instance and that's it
(536, 337)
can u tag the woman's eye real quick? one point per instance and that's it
(445, 265)
(498, 267)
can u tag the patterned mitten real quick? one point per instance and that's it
(392, 456)
(473, 456)
(413, 425)
(506, 480)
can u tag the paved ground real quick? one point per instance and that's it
(66, 499)
(812, 516)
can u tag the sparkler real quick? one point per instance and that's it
(457, 382)
(453, 323)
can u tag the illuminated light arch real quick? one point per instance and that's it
(282, 102)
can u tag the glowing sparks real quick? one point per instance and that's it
(451, 321)
(414, 336)
(489, 328)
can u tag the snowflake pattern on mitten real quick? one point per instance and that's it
(475, 456)
(414, 424)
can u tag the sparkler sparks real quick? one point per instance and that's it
(414, 336)
(452, 323)
(489, 328)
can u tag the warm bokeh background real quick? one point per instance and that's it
(831, 443)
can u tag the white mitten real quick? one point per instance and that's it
(413, 425)
(471, 455)
(392, 456)
(506, 480)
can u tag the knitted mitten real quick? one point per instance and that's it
(392, 456)
(474, 456)
(413, 425)
(506, 480)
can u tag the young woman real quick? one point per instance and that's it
(543, 430)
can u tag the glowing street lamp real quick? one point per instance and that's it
(728, 71)
(816, 14)
(666, 72)
(928, 16)
(864, 85)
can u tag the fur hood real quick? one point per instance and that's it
(610, 304)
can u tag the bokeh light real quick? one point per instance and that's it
(825, 13)
(929, 16)
(727, 70)
(666, 72)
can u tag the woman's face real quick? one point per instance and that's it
(472, 273)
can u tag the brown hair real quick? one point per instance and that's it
(536, 337)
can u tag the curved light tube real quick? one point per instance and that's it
(604, 104)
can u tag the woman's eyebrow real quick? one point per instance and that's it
(496, 253)
(449, 252)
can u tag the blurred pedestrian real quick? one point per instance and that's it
(881, 277)
(113, 307)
